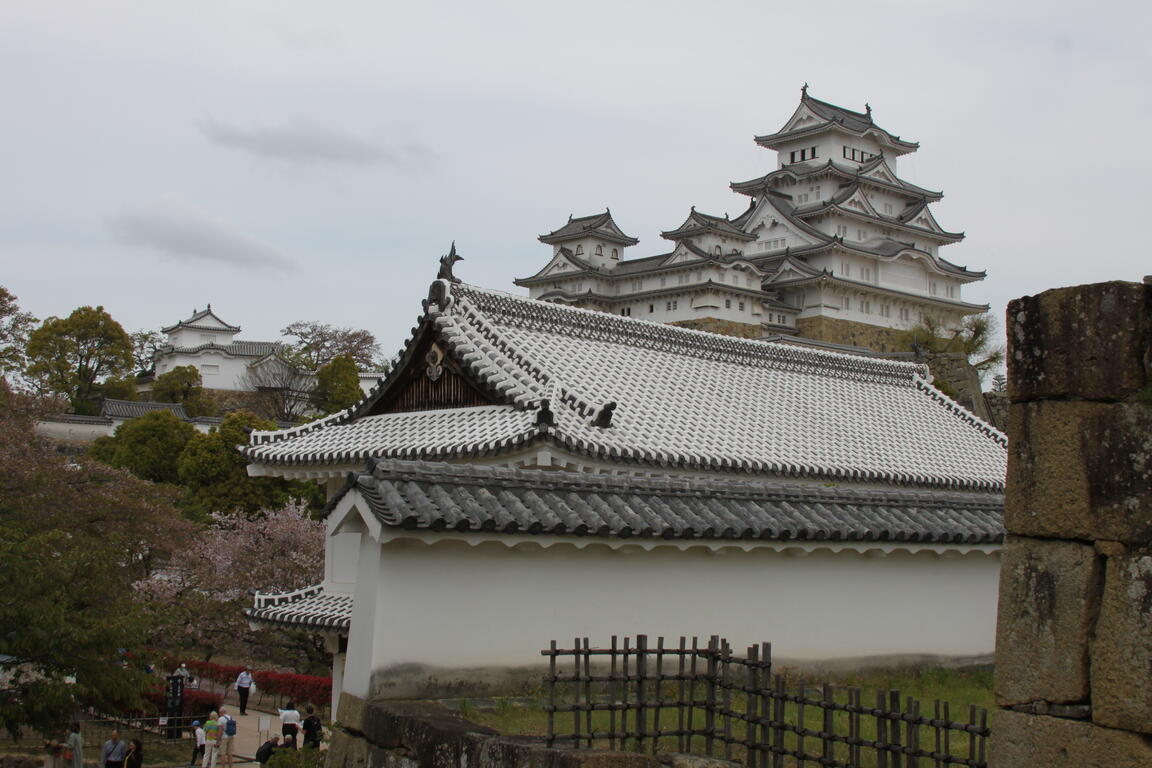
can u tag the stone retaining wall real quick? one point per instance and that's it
(424, 734)
(1074, 637)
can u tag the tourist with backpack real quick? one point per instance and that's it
(227, 725)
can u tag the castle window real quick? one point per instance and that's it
(207, 338)
(932, 287)
(579, 250)
(663, 281)
(727, 303)
(740, 307)
(599, 250)
(861, 234)
(842, 230)
(637, 285)
(845, 269)
(651, 308)
(615, 254)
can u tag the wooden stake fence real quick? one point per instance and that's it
(691, 698)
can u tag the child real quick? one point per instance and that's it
(198, 743)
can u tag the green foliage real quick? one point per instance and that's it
(119, 388)
(215, 475)
(317, 344)
(183, 385)
(70, 356)
(144, 346)
(74, 538)
(974, 337)
(14, 329)
(148, 446)
(297, 758)
(337, 385)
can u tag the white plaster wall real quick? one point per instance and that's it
(193, 337)
(451, 604)
(232, 370)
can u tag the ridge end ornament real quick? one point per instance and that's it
(447, 262)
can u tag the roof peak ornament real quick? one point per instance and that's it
(447, 262)
(804, 91)
(868, 109)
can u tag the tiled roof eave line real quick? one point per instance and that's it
(830, 206)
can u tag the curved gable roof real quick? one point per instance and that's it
(682, 398)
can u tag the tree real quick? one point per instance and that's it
(14, 329)
(144, 346)
(211, 584)
(337, 385)
(148, 446)
(317, 344)
(999, 383)
(183, 385)
(282, 387)
(974, 337)
(75, 536)
(215, 477)
(118, 388)
(71, 355)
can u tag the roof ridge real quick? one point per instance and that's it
(687, 340)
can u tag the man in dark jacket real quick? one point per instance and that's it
(264, 754)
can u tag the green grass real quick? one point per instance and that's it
(961, 688)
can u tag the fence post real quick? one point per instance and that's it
(551, 694)
(641, 697)
(615, 700)
(710, 698)
(829, 750)
(680, 740)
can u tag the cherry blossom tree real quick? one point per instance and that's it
(201, 596)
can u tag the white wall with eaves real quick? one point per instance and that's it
(455, 604)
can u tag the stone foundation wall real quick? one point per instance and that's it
(424, 734)
(724, 327)
(850, 332)
(1074, 637)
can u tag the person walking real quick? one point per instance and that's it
(74, 744)
(290, 724)
(243, 688)
(227, 725)
(313, 729)
(134, 758)
(113, 752)
(264, 754)
(197, 743)
(211, 741)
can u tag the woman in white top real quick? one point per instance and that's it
(290, 724)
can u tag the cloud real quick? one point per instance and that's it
(305, 141)
(179, 230)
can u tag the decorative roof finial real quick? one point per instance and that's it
(209, 306)
(868, 108)
(446, 264)
(804, 91)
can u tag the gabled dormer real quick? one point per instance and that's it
(819, 131)
(203, 327)
(595, 240)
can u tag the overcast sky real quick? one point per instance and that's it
(302, 160)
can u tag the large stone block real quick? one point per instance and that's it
(1080, 470)
(1089, 341)
(1033, 741)
(1122, 650)
(1048, 596)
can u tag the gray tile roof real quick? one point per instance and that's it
(699, 223)
(599, 225)
(131, 409)
(436, 497)
(310, 607)
(804, 170)
(236, 348)
(858, 123)
(194, 322)
(683, 398)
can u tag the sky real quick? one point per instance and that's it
(312, 161)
